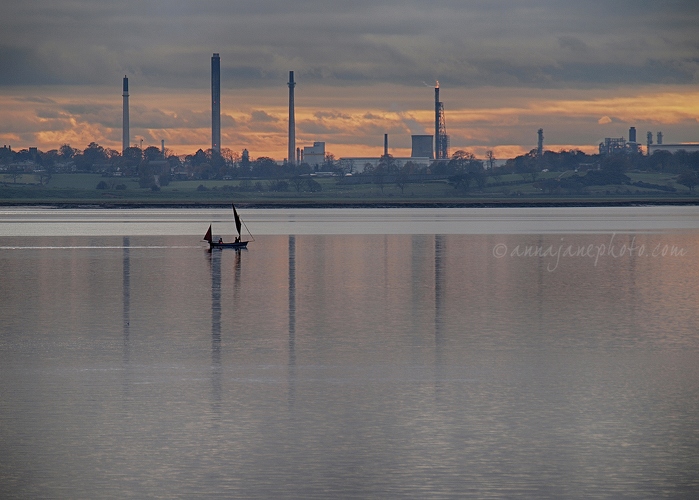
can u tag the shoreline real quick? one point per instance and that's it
(286, 204)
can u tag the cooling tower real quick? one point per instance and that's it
(422, 147)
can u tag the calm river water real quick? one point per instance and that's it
(366, 353)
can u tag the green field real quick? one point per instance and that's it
(71, 189)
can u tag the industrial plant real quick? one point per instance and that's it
(429, 168)
(426, 149)
(619, 145)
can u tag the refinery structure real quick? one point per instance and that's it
(441, 139)
(619, 145)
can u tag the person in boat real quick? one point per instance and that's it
(220, 240)
(237, 239)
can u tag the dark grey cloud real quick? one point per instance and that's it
(167, 43)
(262, 117)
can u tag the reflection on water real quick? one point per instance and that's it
(292, 320)
(215, 260)
(439, 257)
(126, 298)
(316, 366)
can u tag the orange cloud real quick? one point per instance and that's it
(351, 120)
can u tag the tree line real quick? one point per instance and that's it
(463, 170)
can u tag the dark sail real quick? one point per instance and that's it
(237, 220)
(207, 236)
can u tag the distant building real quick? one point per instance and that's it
(359, 164)
(673, 148)
(612, 146)
(314, 155)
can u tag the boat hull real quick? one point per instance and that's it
(236, 245)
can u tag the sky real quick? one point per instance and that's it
(580, 70)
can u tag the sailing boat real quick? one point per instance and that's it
(238, 243)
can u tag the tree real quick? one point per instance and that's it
(232, 157)
(379, 176)
(313, 185)
(44, 173)
(329, 162)
(217, 161)
(298, 182)
(526, 165)
(265, 167)
(388, 164)
(13, 174)
(111, 154)
(344, 166)
(460, 161)
(460, 181)
(689, 179)
(479, 177)
(66, 152)
(402, 177)
(94, 153)
(151, 153)
(132, 156)
(616, 163)
(412, 168)
(490, 158)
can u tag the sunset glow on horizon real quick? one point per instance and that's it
(257, 119)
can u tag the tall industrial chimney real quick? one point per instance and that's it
(216, 102)
(385, 144)
(292, 121)
(540, 145)
(437, 137)
(125, 136)
(441, 139)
